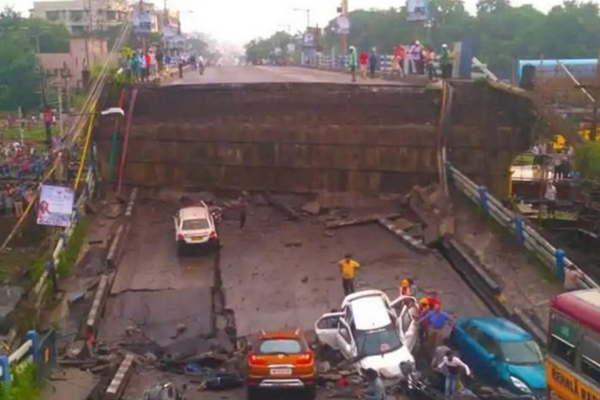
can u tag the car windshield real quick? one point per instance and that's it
(280, 346)
(195, 224)
(378, 341)
(521, 353)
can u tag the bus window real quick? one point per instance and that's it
(590, 359)
(563, 338)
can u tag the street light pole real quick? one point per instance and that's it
(344, 36)
(307, 11)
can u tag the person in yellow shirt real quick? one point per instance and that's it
(348, 268)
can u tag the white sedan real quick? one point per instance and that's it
(195, 226)
(372, 332)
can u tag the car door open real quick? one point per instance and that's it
(345, 340)
(327, 327)
(406, 308)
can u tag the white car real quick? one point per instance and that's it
(195, 226)
(372, 331)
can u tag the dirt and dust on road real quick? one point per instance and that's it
(185, 317)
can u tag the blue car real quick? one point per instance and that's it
(501, 354)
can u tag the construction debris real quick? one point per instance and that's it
(434, 209)
(343, 222)
(281, 206)
(312, 208)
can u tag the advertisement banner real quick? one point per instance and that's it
(343, 25)
(55, 206)
(418, 10)
(142, 22)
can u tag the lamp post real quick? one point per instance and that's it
(307, 11)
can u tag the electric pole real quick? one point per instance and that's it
(344, 35)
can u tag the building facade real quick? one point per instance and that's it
(79, 16)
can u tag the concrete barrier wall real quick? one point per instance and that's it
(296, 137)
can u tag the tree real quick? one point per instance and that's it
(492, 6)
(273, 47)
(19, 76)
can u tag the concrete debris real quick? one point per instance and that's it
(349, 221)
(76, 297)
(329, 234)
(283, 207)
(312, 208)
(75, 349)
(293, 244)
(435, 210)
(150, 357)
(323, 367)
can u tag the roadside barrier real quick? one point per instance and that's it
(39, 350)
(552, 257)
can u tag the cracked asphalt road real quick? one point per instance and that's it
(154, 289)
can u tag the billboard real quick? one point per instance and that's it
(55, 206)
(142, 22)
(343, 25)
(418, 10)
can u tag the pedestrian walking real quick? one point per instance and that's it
(363, 60)
(375, 389)
(550, 198)
(399, 57)
(348, 268)
(373, 62)
(430, 59)
(438, 357)
(446, 62)
(414, 54)
(453, 367)
(352, 62)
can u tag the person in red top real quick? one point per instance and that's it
(363, 61)
(399, 56)
(148, 60)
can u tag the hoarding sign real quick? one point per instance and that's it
(418, 10)
(55, 206)
(343, 25)
(142, 22)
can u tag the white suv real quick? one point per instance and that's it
(195, 226)
(372, 332)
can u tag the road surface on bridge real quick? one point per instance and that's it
(262, 74)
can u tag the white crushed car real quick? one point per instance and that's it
(372, 332)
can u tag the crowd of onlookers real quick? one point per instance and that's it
(21, 166)
(413, 59)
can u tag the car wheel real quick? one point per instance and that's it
(252, 393)
(311, 392)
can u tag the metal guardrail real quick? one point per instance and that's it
(35, 349)
(552, 257)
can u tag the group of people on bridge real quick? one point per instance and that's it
(413, 59)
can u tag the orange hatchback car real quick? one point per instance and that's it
(281, 360)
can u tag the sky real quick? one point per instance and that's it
(238, 21)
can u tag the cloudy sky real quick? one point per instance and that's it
(238, 21)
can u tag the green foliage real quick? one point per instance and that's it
(25, 384)
(260, 49)
(499, 32)
(587, 160)
(69, 256)
(19, 71)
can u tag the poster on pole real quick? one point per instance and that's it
(142, 22)
(55, 206)
(343, 25)
(418, 10)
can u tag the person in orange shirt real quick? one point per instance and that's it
(348, 268)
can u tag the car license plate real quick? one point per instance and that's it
(281, 371)
(196, 238)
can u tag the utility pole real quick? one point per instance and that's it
(344, 35)
(60, 111)
(307, 11)
(20, 116)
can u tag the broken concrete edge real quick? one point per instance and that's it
(97, 307)
(131, 202)
(281, 206)
(360, 220)
(477, 279)
(117, 385)
(113, 251)
(412, 242)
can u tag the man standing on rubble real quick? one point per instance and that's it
(348, 268)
